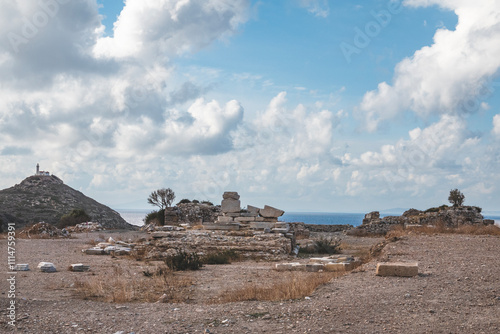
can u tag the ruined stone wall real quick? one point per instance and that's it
(261, 245)
(447, 216)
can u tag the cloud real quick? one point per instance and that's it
(496, 125)
(318, 8)
(156, 30)
(451, 76)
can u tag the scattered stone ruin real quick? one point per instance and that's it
(202, 228)
(233, 218)
(443, 215)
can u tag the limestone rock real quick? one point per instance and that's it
(253, 210)
(397, 269)
(47, 267)
(22, 267)
(270, 212)
(78, 267)
(231, 195)
(230, 205)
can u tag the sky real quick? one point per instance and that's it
(304, 105)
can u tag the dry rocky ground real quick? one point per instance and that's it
(456, 291)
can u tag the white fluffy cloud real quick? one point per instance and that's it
(449, 77)
(496, 126)
(159, 29)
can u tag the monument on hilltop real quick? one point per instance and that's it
(39, 172)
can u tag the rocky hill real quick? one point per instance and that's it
(46, 198)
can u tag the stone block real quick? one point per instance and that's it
(222, 227)
(280, 230)
(244, 219)
(223, 220)
(22, 267)
(314, 267)
(231, 195)
(47, 267)
(253, 210)
(400, 269)
(298, 267)
(94, 251)
(270, 220)
(231, 214)
(335, 267)
(323, 260)
(285, 266)
(249, 214)
(117, 250)
(79, 267)
(230, 205)
(270, 212)
(261, 225)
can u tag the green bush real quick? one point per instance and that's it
(74, 217)
(223, 257)
(184, 261)
(323, 246)
(207, 203)
(157, 217)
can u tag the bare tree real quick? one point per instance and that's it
(456, 197)
(162, 198)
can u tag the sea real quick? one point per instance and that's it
(135, 217)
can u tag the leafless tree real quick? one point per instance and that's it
(162, 198)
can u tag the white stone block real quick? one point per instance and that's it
(47, 267)
(22, 267)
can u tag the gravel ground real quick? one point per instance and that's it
(457, 291)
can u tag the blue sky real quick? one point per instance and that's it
(306, 105)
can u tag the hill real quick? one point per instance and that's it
(46, 198)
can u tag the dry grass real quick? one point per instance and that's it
(292, 285)
(124, 286)
(441, 228)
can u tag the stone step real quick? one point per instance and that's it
(399, 269)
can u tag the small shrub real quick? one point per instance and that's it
(195, 201)
(184, 261)
(74, 217)
(184, 201)
(207, 203)
(323, 246)
(223, 257)
(157, 217)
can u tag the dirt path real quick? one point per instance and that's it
(457, 291)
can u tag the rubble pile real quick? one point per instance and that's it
(111, 247)
(85, 227)
(43, 230)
